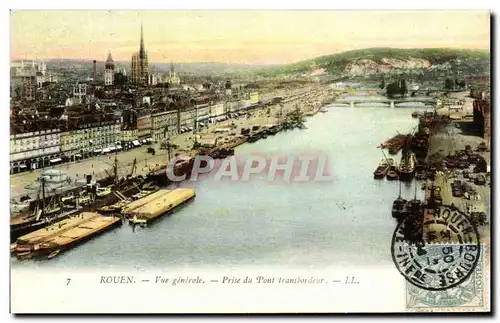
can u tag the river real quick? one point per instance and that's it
(344, 222)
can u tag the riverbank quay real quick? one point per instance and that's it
(99, 166)
(462, 188)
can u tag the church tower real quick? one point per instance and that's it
(139, 66)
(109, 71)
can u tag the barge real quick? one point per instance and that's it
(165, 202)
(58, 237)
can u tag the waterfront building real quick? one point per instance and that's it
(85, 139)
(129, 137)
(203, 112)
(129, 134)
(186, 119)
(163, 125)
(144, 126)
(87, 136)
(139, 64)
(217, 109)
(109, 71)
(34, 149)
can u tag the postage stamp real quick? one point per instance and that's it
(470, 295)
(444, 265)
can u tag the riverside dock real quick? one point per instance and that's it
(51, 240)
(163, 202)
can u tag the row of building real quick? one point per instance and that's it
(36, 143)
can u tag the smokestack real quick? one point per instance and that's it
(94, 70)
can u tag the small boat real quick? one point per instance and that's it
(136, 221)
(392, 173)
(323, 110)
(399, 208)
(53, 254)
(382, 168)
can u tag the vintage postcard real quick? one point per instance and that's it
(250, 161)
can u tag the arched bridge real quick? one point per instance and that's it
(390, 102)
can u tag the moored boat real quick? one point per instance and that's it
(163, 202)
(392, 173)
(50, 241)
(399, 207)
(406, 168)
(383, 168)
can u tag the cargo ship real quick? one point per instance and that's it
(406, 168)
(39, 213)
(151, 208)
(160, 175)
(58, 237)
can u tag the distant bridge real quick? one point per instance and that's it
(390, 102)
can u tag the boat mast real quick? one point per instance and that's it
(115, 168)
(384, 155)
(415, 198)
(195, 131)
(43, 194)
(399, 189)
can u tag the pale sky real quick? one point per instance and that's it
(247, 37)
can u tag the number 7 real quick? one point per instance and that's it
(68, 280)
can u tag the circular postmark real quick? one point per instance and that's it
(445, 254)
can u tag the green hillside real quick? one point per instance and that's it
(337, 62)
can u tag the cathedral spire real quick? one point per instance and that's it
(142, 52)
(110, 58)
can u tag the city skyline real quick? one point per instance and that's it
(238, 37)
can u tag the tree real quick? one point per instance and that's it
(382, 84)
(403, 90)
(392, 89)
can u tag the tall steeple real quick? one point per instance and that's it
(142, 52)
(110, 58)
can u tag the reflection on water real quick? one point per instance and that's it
(343, 222)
